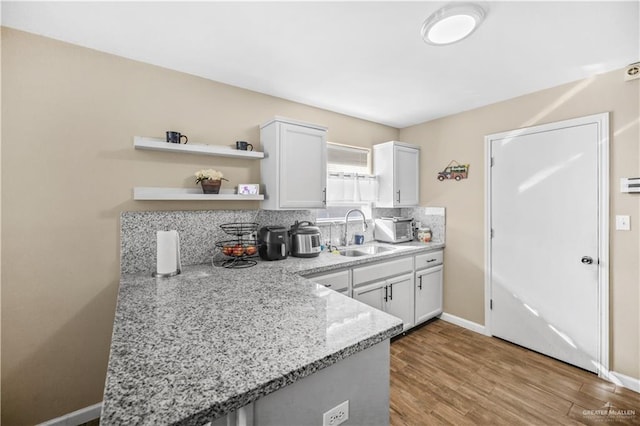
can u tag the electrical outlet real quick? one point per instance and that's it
(337, 415)
(623, 223)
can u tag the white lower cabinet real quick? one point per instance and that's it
(408, 287)
(400, 300)
(372, 294)
(387, 286)
(394, 296)
(428, 294)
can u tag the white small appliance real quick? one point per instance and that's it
(393, 229)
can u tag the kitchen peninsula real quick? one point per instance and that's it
(199, 346)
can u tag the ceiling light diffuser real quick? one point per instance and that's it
(452, 23)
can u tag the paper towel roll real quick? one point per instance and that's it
(168, 253)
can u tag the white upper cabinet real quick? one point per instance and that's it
(294, 169)
(397, 167)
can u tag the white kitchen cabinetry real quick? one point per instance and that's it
(400, 299)
(338, 281)
(380, 270)
(428, 286)
(295, 165)
(387, 286)
(372, 294)
(407, 287)
(397, 168)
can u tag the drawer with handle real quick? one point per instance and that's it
(430, 259)
(338, 281)
(382, 270)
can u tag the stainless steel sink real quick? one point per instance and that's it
(375, 249)
(365, 250)
(352, 253)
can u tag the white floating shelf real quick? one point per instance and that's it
(156, 144)
(175, 194)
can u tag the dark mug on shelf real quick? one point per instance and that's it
(176, 137)
(242, 145)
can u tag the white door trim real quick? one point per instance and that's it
(602, 121)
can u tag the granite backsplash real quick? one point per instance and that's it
(200, 230)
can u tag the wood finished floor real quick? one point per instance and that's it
(442, 374)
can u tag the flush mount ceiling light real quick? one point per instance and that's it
(452, 23)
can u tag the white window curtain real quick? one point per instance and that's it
(350, 187)
(348, 174)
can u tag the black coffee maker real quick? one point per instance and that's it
(273, 242)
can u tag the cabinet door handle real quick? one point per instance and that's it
(327, 285)
(324, 197)
(398, 195)
(385, 293)
(420, 284)
(390, 291)
(431, 260)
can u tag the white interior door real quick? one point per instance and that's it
(545, 253)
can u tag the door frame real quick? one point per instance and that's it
(602, 121)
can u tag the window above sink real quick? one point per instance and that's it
(349, 182)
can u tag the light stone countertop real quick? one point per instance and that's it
(195, 347)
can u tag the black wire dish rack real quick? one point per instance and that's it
(239, 252)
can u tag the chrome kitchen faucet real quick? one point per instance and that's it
(346, 224)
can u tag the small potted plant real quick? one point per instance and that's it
(210, 179)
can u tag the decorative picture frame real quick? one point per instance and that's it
(454, 170)
(248, 189)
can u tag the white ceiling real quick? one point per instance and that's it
(364, 59)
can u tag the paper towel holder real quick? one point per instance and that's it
(177, 259)
(166, 275)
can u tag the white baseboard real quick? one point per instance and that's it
(469, 325)
(628, 382)
(76, 418)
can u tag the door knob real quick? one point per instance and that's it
(587, 260)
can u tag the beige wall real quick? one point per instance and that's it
(461, 137)
(68, 168)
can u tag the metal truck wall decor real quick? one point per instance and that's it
(454, 170)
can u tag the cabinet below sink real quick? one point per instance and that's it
(408, 287)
